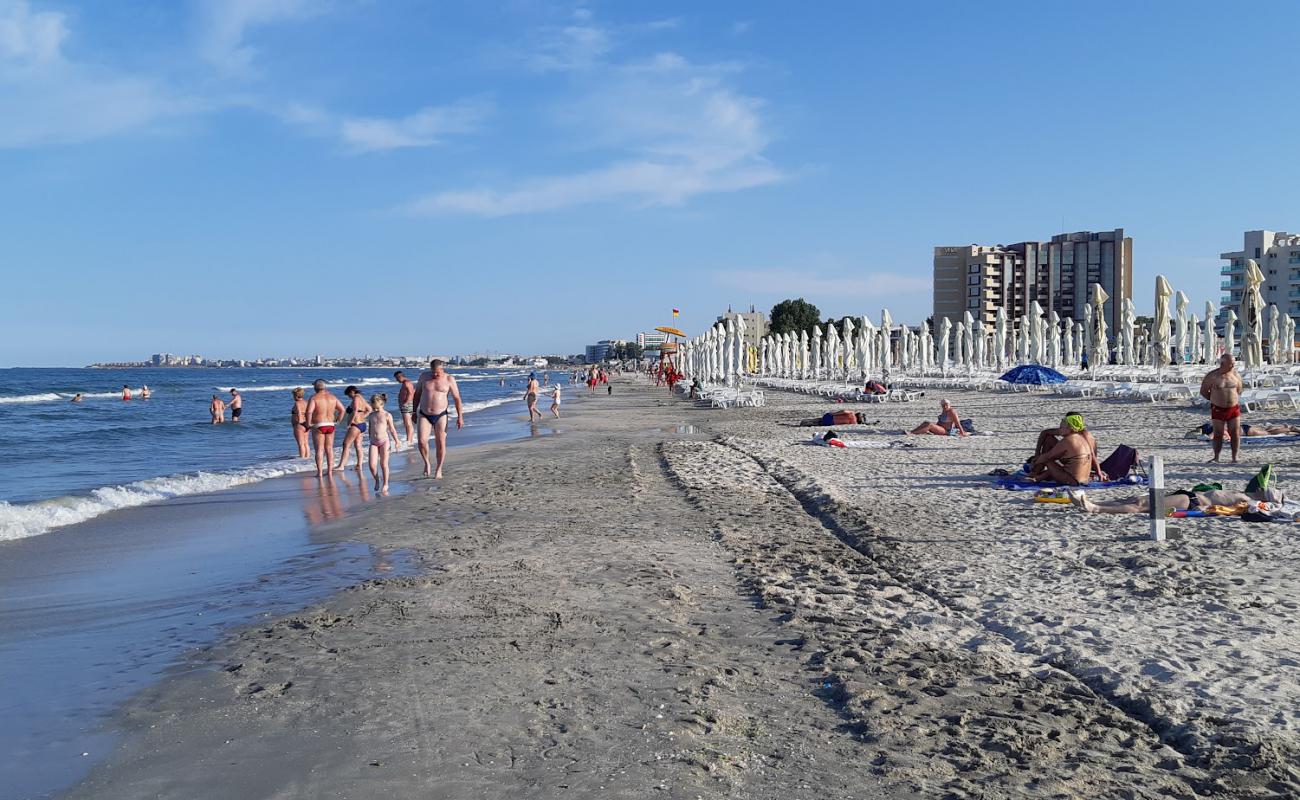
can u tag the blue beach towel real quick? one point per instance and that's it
(1021, 481)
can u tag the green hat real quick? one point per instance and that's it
(1075, 421)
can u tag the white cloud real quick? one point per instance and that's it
(570, 48)
(860, 285)
(425, 128)
(45, 98)
(225, 24)
(682, 129)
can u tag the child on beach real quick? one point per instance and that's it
(383, 438)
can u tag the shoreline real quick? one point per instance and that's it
(633, 608)
(139, 587)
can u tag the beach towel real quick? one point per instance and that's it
(1269, 438)
(1020, 481)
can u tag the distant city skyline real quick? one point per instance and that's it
(298, 176)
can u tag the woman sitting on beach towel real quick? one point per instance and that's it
(1072, 424)
(949, 423)
(1070, 461)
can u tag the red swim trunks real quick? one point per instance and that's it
(1223, 414)
(326, 429)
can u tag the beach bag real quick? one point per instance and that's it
(1121, 462)
(1262, 481)
(968, 426)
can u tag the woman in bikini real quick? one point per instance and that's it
(354, 417)
(298, 417)
(949, 423)
(383, 438)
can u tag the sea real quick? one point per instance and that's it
(70, 462)
(135, 532)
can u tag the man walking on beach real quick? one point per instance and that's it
(530, 397)
(1222, 387)
(406, 404)
(323, 413)
(236, 405)
(431, 392)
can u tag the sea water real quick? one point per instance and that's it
(69, 462)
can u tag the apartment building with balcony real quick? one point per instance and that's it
(1058, 274)
(1278, 256)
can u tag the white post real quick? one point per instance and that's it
(1157, 495)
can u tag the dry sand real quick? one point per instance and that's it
(631, 609)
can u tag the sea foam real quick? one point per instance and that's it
(20, 520)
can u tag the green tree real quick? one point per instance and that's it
(792, 316)
(634, 351)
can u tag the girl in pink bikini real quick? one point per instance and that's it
(383, 439)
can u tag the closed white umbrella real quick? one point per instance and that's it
(1053, 344)
(927, 347)
(1160, 325)
(1274, 335)
(886, 341)
(815, 352)
(1252, 338)
(728, 350)
(1000, 339)
(850, 346)
(1127, 319)
(1067, 347)
(941, 343)
(832, 340)
(1194, 336)
(1288, 339)
(866, 340)
(742, 349)
(1180, 327)
(1208, 341)
(1098, 346)
(980, 342)
(1035, 332)
(959, 342)
(762, 357)
(1230, 332)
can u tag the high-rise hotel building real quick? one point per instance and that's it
(1058, 274)
(1278, 256)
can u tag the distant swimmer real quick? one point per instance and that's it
(77, 397)
(126, 392)
(298, 417)
(323, 413)
(217, 408)
(530, 397)
(555, 400)
(382, 433)
(144, 392)
(406, 404)
(236, 405)
(357, 411)
(431, 392)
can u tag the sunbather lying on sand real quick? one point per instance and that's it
(949, 423)
(1176, 501)
(1260, 429)
(1068, 450)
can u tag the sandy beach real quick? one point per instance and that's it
(666, 600)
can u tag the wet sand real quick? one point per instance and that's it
(672, 601)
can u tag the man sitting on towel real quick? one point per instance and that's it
(1071, 460)
(1050, 437)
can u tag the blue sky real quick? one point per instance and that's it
(250, 177)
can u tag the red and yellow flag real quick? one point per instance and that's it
(676, 313)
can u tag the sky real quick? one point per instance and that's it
(240, 178)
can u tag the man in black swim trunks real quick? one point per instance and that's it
(236, 405)
(431, 392)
